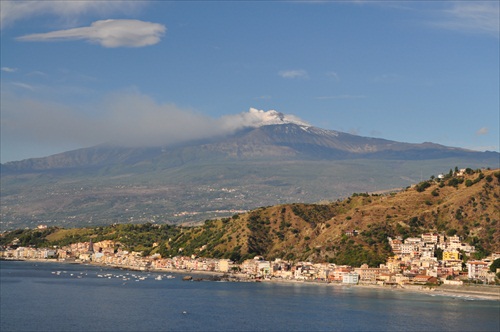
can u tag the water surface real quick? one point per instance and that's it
(71, 297)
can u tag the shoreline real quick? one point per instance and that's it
(465, 292)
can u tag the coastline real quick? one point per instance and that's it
(465, 292)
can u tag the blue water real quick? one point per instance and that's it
(33, 297)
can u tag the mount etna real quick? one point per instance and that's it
(275, 161)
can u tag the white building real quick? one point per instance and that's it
(350, 278)
(476, 269)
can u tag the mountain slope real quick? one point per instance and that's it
(465, 205)
(270, 141)
(256, 166)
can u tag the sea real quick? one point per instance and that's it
(39, 296)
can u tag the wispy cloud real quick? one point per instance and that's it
(468, 16)
(472, 16)
(13, 11)
(354, 131)
(482, 131)
(9, 69)
(126, 118)
(294, 73)
(36, 73)
(23, 85)
(108, 33)
(333, 75)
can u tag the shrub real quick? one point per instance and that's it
(422, 186)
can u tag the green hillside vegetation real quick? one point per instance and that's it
(466, 205)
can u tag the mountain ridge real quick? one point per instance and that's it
(265, 141)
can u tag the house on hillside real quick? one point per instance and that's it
(431, 238)
(351, 232)
(451, 255)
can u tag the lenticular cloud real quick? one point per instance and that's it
(108, 33)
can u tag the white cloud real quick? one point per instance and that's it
(472, 16)
(18, 10)
(256, 118)
(9, 69)
(295, 73)
(108, 33)
(482, 131)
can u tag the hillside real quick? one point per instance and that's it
(467, 205)
(259, 166)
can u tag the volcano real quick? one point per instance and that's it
(277, 159)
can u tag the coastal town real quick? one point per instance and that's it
(430, 259)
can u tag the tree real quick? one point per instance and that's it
(422, 186)
(438, 253)
(495, 265)
(451, 232)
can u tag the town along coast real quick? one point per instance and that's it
(472, 291)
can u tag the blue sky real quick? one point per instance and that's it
(79, 73)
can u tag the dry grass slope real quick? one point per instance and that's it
(466, 204)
